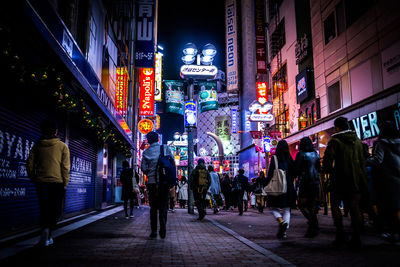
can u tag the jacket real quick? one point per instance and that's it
(215, 186)
(49, 162)
(128, 179)
(241, 180)
(183, 190)
(308, 167)
(344, 160)
(195, 175)
(149, 162)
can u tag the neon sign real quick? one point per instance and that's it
(262, 92)
(121, 92)
(146, 92)
(145, 126)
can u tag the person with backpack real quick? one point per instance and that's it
(344, 160)
(240, 185)
(200, 181)
(130, 189)
(159, 166)
(281, 202)
(307, 167)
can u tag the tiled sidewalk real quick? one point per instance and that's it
(115, 241)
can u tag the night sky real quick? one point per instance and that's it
(180, 22)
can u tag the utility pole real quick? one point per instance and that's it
(190, 151)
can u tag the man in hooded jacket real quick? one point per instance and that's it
(345, 162)
(200, 181)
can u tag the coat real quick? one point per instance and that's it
(344, 160)
(287, 200)
(128, 180)
(150, 160)
(215, 187)
(307, 169)
(387, 158)
(49, 162)
(183, 190)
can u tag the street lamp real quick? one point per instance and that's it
(190, 73)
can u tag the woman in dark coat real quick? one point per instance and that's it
(308, 166)
(260, 183)
(386, 157)
(226, 187)
(129, 187)
(281, 204)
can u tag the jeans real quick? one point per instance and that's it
(158, 200)
(199, 199)
(50, 196)
(283, 213)
(239, 200)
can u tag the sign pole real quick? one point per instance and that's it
(190, 154)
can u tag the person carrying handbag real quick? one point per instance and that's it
(281, 204)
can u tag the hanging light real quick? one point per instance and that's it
(206, 60)
(190, 49)
(188, 59)
(209, 50)
(177, 135)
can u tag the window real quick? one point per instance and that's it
(329, 28)
(278, 39)
(355, 9)
(279, 82)
(334, 101)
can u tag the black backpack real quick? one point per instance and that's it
(166, 170)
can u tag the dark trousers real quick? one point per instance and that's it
(239, 200)
(199, 199)
(158, 200)
(131, 204)
(50, 197)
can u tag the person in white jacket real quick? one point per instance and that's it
(182, 192)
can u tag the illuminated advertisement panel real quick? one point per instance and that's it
(262, 96)
(190, 114)
(232, 73)
(121, 92)
(145, 23)
(146, 79)
(158, 75)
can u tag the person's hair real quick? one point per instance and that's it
(152, 137)
(241, 171)
(125, 164)
(282, 151)
(183, 178)
(306, 145)
(342, 123)
(388, 130)
(48, 127)
(210, 168)
(201, 161)
(262, 175)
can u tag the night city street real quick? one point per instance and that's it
(200, 132)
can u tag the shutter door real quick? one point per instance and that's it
(19, 207)
(80, 191)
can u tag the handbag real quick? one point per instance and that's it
(278, 184)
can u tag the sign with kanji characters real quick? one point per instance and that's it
(144, 50)
(121, 92)
(261, 112)
(146, 79)
(261, 52)
(262, 96)
(198, 71)
(223, 127)
(145, 126)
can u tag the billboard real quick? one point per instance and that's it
(145, 22)
(232, 73)
(158, 77)
(174, 97)
(146, 80)
(262, 96)
(223, 127)
(190, 114)
(208, 98)
(121, 92)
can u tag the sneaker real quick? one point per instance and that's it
(49, 242)
(163, 234)
(282, 230)
(44, 236)
(127, 217)
(153, 235)
(131, 216)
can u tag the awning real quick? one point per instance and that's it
(61, 41)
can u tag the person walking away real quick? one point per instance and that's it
(261, 182)
(344, 161)
(200, 181)
(158, 193)
(182, 192)
(215, 188)
(226, 186)
(240, 184)
(172, 197)
(130, 188)
(386, 156)
(48, 167)
(307, 167)
(281, 204)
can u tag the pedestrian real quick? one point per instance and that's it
(345, 162)
(158, 193)
(200, 181)
(260, 183)
(226, 187)
(282, 204)
(130, 189)
(240, 185)
(215, 188)
(386, 157)
(307, 167)
(48, 167)
(182, 192)
(172, 197)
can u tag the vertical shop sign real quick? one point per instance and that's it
(208, 99)
(158, 77)
(146, 79)
(260, 37)
(121, 93)
(234, 120)
(174, 98)
(231, 46)
(223, 127)
(262, 96)
(144, 55)
(190, 114)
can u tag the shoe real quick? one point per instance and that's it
(163, 234)
(44, 237)
(282, 230)
(49, 242)
(127, 217)
(240, 213)
(131, 216)
(201, 216)
(153, 235)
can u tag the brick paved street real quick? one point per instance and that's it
(225, 239)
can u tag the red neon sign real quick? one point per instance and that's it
(262, 96)
(121, 92)
(146, 79)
